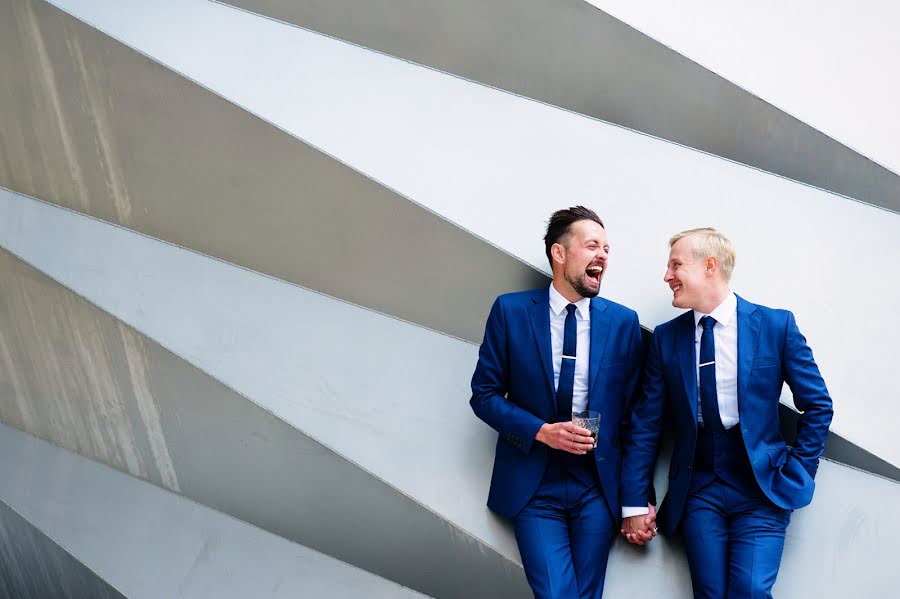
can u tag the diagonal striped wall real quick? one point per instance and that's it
(351, 446)
(576, 55)
(496, 165)
(272, 403)
(136, 540)
(251, 264)
(103, 130)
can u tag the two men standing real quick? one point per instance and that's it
(718, 368)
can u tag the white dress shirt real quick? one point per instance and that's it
(725, 334)
(582, 350)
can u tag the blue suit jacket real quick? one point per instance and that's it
(513, 392)
(771, 351)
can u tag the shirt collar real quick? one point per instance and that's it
(723, 313)
(558, 304)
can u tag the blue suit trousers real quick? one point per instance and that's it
(564, 534)
(734, 538)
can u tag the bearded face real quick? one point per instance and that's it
(585, 252)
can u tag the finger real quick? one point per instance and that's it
(577, 444)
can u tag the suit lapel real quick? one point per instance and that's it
(599, 337)
(748, 337)
(539, 315)
(685, 346)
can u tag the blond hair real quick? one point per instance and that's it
(710, 242)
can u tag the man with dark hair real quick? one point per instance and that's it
(549, 353)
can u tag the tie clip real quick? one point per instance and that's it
(707, 364)
(565, 357)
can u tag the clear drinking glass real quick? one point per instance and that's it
(588, 419)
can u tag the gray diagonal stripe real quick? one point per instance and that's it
(146, 542)
(79, 378)
(574, 55)
(92, 125)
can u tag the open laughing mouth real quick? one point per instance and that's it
(593, 273)
(675, 288)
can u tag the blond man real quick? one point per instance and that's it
(733, 482)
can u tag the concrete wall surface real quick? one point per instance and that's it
(496, 165)
(143, 541)
(245, 268)
(278, 404)
(826, 62)
(767, 85)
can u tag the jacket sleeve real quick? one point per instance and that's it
(635, 366)
(810, 396)
(641, 445)
(490, 385)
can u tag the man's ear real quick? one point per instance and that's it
(558, 253)
(712, 265)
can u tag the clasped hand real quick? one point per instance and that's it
(640, 529)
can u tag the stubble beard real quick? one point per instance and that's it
(581, 288)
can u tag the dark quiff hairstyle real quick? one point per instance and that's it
(560, 222)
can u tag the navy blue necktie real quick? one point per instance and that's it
(709, 399)
(567, 367)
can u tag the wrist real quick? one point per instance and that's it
(629, 511)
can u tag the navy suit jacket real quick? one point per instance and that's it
(771, 351)
(513, 391)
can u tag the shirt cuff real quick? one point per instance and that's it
(628, 512)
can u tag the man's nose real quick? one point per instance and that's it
(668, 276)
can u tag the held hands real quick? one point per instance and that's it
(640, 529)
(567, 437)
